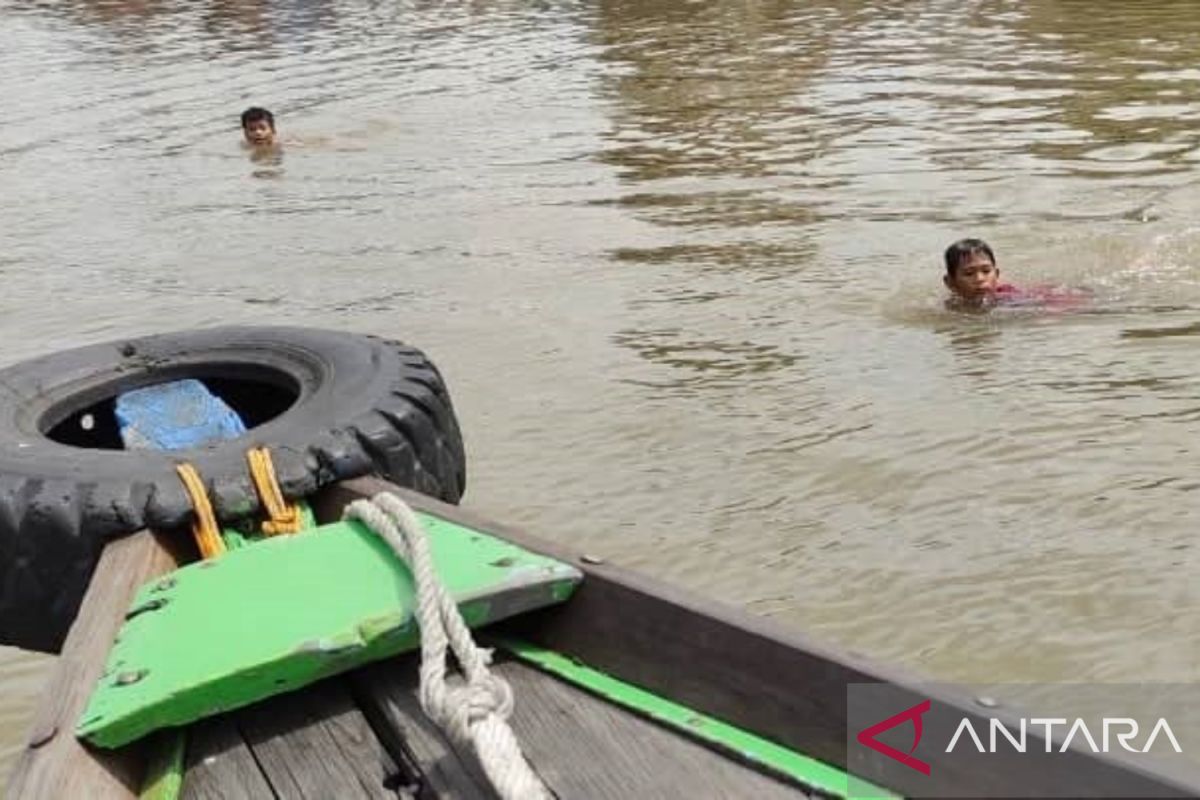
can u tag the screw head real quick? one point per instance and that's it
(130, 677)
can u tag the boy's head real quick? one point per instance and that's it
(258, 126)
(971, 271)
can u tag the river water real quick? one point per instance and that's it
(680, 264)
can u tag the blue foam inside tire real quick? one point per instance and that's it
(175, 416)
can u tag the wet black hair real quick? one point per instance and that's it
(254, 114)
(963, 249)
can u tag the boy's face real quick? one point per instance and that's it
(259, 133)
(975, 279)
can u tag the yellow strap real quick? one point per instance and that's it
(284, 517)
(204, 528)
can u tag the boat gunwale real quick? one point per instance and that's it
(773, 680)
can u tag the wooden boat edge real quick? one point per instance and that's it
(769, 679)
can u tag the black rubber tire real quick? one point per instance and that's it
(362, 405)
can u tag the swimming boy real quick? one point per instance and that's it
(974, 279)
(258, 126)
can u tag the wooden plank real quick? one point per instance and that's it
(582, 746)
(387, 693)
(770, 680)
(219, 765)
(54, 763)
(315, 744)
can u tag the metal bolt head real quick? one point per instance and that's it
(132, 676)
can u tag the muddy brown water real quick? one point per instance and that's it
(680, 265)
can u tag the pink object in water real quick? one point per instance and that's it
(1040, 296)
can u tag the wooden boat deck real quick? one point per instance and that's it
(364, 735)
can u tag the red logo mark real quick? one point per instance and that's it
(867, 737)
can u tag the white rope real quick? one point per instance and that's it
(474, 713)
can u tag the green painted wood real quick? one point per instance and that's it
(289, 610)
(809, 772)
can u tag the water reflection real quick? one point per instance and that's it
(710, 90)
(1190, 329)
(755, 260)
(704, 123)
(268, 162)
(235, 24)
(708, 364)
(977, 349)
(1129, 92)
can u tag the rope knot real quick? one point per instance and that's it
(284, 517)
(474, 712)
(463, 706)
(467, 706)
